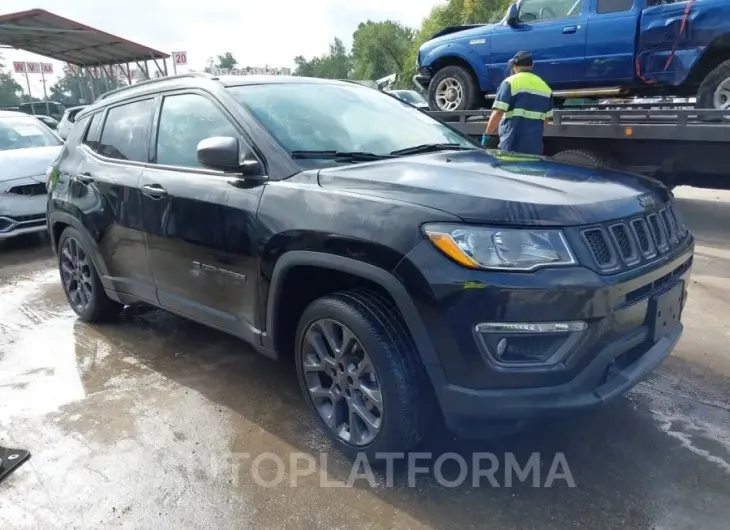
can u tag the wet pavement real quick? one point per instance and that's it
(156, 422)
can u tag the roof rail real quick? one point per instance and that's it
(202, 75)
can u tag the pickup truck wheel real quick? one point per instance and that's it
(585, 157)
(714, 92)
(453, 88)
(358, 370)
(81, 283)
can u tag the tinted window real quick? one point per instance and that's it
(23, 131)
(185, 121)
(126, 131)
(92, 135)
(614, 6)
(320, 116)
(72, 114)
(538, 10)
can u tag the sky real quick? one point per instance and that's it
(257, 32)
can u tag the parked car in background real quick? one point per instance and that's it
(68, 120)
(48, 121)
(412, 97)
(601, 48)
(408, 273)
(43, 108)
(27, 150)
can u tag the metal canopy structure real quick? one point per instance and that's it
(44, 33)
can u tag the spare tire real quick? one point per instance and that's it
(452, 89)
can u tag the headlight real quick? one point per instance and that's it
(501, 248)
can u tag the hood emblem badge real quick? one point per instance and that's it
(647, 201)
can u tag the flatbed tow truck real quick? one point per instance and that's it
(675, 144)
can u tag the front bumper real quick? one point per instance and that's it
(619, 348)
(467, 410)
(423, 78)
(22, 215)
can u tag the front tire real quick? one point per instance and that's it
(452, 89)
(359, 371)
(80, 281)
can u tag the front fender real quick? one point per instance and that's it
(465, 53)
(381, 277)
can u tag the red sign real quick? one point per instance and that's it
(180, 57)
(33, 68)
(19, 67)
(47, 68)
(72, 69)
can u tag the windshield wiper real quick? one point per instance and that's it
(430, 148)
(359, 156)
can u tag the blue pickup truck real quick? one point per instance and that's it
(587, 48)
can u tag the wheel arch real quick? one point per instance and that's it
(291, 260)
(444, 56)
(717, 52)
(58, 222)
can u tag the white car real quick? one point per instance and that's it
(412, 97)
(68, 120)
(27, 149)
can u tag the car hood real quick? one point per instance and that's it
(29, 162)
(500, 188)
(458, 32)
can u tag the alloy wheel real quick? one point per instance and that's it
(76, 274)
(449, 94)
(721, 99)
(341, 381)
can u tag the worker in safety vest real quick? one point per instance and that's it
(521, 110)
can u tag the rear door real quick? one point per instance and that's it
(200, 230)
(106, 198)
(611, 42)
(554, 31)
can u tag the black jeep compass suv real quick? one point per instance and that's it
(410, 273)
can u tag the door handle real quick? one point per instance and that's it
(85, 178)
(154, 190)
(570, 29)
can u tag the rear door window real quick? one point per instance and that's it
(613, 6)
(126, 131)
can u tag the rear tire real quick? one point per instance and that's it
(714, 92)
(80, 281)
(398, 375)
(585, 157)
(463, 85)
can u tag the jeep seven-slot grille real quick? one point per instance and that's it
(634, 239)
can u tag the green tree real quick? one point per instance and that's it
(336, 64)
(225, 61)
(380, 49)
(11, 92)
(72, 90)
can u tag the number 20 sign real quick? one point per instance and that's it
(180, 58)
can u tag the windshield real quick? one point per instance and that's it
(329, 117)
(410, 96)
(19, 133)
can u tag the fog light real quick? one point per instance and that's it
(529, 343)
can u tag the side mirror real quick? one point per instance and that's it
(224, 153)
(513, 13)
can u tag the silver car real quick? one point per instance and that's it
(27, 150)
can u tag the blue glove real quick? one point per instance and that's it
(485, 138)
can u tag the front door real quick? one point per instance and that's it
(554, 32)
(200, 230)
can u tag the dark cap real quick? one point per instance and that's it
(521, 59)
